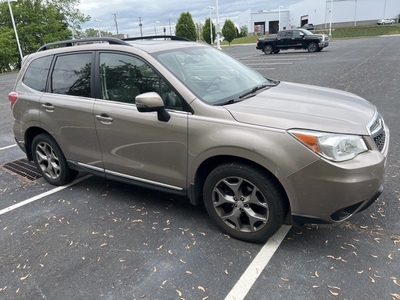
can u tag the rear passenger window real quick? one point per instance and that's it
(36, 75)
(71, 75)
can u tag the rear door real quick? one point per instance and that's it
(66, 110)
(285, 39)
(137, 146)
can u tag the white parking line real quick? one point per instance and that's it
(246, 281)
(8, 147)
(254, 270)
(30, 200)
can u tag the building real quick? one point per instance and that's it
(321, 13)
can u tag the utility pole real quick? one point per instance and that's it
(140, 26)
(116, 23)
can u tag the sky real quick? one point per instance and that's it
(157, 14)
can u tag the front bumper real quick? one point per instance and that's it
(323, 44)
(327, 192)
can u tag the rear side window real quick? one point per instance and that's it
(36, 75)
(71, 75)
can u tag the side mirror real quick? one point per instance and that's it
(151, 101)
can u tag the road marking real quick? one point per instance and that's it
(254, 270)
(7, 147)
(35, 198)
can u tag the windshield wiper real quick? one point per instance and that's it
(253, 90)
(231, 101)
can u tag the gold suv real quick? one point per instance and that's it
(185, 118)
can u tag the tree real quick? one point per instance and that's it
(91, 32)
(38, 22)
(206, 32)
(229, 31)
(8, 50)
(185, 27)
(244, 31)
(73, 16)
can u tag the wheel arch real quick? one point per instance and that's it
(30, 134)
(205, 168)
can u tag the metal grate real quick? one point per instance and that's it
(24, 168)
(380, 141)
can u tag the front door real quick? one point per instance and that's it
(136, 145)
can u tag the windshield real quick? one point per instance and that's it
(307, 32)
(214, 77)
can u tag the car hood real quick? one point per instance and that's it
(291, 105)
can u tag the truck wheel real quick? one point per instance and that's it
(268, 49)
(312, 47)
(244, 202)
(50, 160)
(277, 51)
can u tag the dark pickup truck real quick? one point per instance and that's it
(293, 39)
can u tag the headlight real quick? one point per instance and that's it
(335, 147)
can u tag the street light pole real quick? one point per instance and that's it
(15, 28)
(218, 33)
(330, 21)
(98, 27)
(211, 35)
(279, 18)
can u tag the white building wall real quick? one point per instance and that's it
(319, 12)
(244, 19)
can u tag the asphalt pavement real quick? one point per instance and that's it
(98, 239)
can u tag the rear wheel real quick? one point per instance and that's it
(50, 160)
(268, 49)
(312, 47)
(244, 202)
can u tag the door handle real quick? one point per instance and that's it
(105, 119)
(48, 107)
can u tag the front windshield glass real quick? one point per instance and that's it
(214, 77)
(307, 32)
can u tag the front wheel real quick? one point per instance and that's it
(312, 47)
(50, 160)
(268, 49)
(244, 202)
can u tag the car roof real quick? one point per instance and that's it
(148, 44)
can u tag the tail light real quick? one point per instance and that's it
(12, 97)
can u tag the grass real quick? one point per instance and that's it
(343, 32)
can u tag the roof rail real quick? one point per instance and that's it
(68, 43)
(152, 37)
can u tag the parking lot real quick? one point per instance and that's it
(98, 239)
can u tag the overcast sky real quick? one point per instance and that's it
(156, 14)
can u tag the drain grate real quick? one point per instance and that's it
(24, 168)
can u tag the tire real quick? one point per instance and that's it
(268, 49)
(244, 202)
(312, 47)
(50, 161)
(277, 51)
